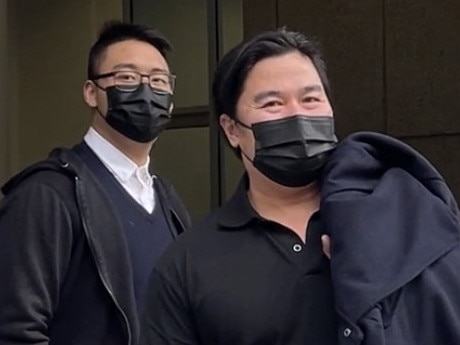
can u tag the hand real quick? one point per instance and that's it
(326, 241)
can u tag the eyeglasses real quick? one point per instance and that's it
(130, 81)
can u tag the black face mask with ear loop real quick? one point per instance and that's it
(292, 151)
(140, 115)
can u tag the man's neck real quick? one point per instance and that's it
(137, 152)
(270, 195)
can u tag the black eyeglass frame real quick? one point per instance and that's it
(127, 88)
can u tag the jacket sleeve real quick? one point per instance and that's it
(425, 311)
(167, 319)
(35, 248)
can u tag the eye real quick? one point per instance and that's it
(272, 103)
(126, 77)
(159, 80)
(311, 99)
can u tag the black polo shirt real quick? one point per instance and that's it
(237, 279)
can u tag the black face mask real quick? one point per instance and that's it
(139, 115)
(293, 150)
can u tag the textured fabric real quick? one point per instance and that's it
(237, 278)
(65, 268)
(147, 235)
(395, 252)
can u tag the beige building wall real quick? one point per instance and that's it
(47, 47)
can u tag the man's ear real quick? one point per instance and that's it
(89, 93)
(230, 129)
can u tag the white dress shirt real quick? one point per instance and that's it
(136, 180)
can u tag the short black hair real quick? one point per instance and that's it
(116, 31)
(233, 68)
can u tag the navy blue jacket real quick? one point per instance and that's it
(65, 272)
(395, 255)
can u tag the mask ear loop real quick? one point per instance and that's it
(241, 150)
(242, 124)
(100, 114)
(247, 157)
(97, 108)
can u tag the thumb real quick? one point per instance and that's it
(326, 242)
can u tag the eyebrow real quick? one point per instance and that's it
(134, 67)
(125, 65)
(312, 88)
(258, 98)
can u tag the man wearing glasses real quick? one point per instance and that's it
(81, 231)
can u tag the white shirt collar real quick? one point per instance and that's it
(115, 160)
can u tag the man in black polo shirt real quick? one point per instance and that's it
(254, 271)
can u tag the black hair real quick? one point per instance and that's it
(116, 31)
(233, 68)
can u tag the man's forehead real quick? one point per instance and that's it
(135, 56)
(277, 59)
(138, 67)
(277, 66)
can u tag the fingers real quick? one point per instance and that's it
(326, 241)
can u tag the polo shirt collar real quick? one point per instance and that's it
(237, 211)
